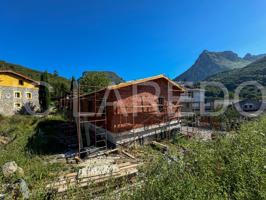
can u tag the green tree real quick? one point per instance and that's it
(59, 89)
(93, 82)
(55, 73)
(63, 89)
(73, 80)
(44, 94)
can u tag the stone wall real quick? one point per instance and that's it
(8, 100)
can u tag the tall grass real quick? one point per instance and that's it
(232, 167)
(36, 170)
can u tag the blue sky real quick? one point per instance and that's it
(134, 38)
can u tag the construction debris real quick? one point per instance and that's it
(111, 151)
(78, 160)
(98, 170)
(127, 154)
(160, 146)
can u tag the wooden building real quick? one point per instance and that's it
(128, 112)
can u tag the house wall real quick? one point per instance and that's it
(10, 80)
(192, 100)
(126, 111)
(9, 84)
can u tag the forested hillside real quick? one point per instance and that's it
(60, 84)
(113, 77)
(34, 74)
(254, 72)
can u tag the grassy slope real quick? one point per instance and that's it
(255, 71)
(37, 171)
(229, 168)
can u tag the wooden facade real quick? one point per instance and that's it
(135, 104)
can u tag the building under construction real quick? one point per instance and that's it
(124, 114)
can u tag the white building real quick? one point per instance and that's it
(192, 101)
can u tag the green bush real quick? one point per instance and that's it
(37, 171)
(231, 167)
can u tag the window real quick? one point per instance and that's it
(160, 104)
(17, 105)
(21, 82)
(28, 95)
(17, 95)
(195, 105)
(190, 94)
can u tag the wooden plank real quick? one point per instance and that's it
(70, 175)
(127, 154)
(130, 166)
(127, 167)
(160, 146)
(78, 160)
(124, 164)
(111, 151)
(86, 182)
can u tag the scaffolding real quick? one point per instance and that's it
(91, 123)
(86, 108)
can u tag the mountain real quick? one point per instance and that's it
(252, 58)
(210, 63)
(113, 77)
(255, 71)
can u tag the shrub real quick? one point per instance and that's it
(232, 167)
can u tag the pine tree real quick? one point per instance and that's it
(73, 81)
(44, 94)
(55, 73)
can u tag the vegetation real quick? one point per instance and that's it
(231, 167)
(73, 82)
(228, 120)
(61, 85)
(90, 82)
(44, 93)
(55, 80)
(233, 78)
(60, 89)
(113, 77)
(37, 168)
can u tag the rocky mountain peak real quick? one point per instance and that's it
(209, 63)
